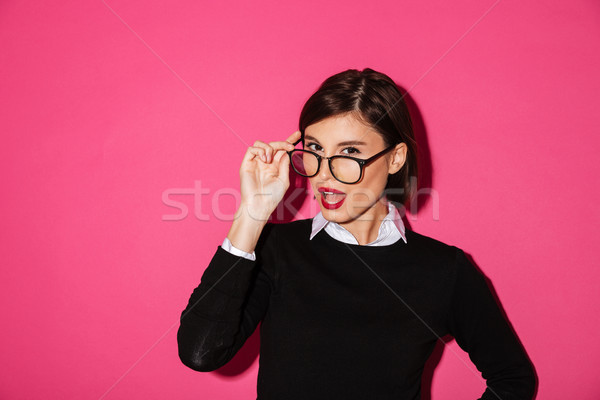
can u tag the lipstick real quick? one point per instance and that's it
(331, 198)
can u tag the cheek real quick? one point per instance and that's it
(375, 179)
(359, 199)
(313, 187)
(365, 194)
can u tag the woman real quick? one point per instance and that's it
(351, 303)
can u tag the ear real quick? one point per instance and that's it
(398, 158)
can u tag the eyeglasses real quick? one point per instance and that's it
(345, 169)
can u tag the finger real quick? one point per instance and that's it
(268, 150)
(294, 138)
(254, 152)
(278, 155)
(284, 166)
(282, 145)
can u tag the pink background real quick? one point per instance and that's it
(111, 111)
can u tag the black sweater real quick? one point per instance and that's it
(342, 321)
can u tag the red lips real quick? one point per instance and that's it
(331, 190)
(331, 198)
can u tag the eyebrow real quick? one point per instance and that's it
(345, 143)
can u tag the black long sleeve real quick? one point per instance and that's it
(477, 324)
(223, 311)
(349, 321)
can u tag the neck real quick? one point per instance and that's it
(365, 228)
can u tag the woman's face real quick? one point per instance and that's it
(346, 135)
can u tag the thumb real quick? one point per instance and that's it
(284, 166)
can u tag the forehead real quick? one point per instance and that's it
(336, 129)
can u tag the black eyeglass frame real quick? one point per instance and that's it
(362, 162)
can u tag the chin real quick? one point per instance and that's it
(339, 216)
(333, 215)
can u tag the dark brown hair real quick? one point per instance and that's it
(376, 100)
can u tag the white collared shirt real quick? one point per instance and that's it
(390, 231)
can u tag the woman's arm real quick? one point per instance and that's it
(224, 309)
(234, 291)
(479, 327)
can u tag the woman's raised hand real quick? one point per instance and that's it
(264, 176)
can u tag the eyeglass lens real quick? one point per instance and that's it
(342, 169)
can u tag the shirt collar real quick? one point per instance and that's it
(319, 222)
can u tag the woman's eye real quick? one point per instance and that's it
(351, 150)
(314, 147)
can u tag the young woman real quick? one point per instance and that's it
(351, 303)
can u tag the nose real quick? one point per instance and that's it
(324, 172)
